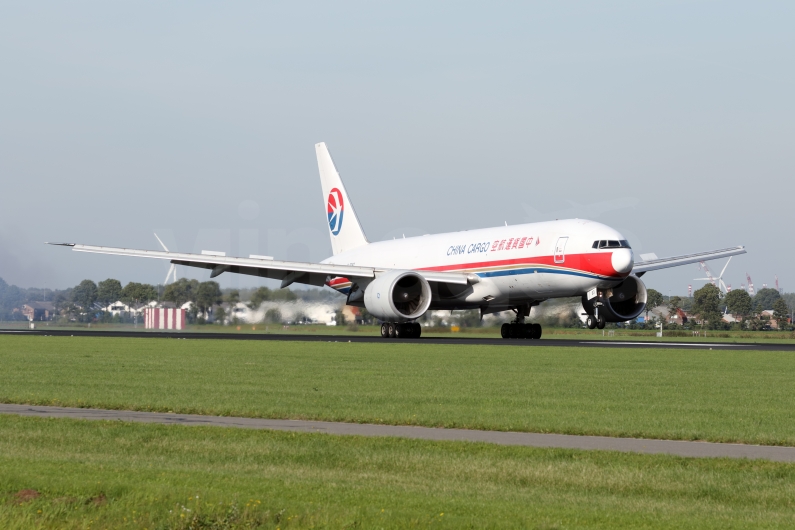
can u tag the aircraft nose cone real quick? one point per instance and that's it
(622, 260)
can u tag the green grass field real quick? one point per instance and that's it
(737, 396)
(74, 474)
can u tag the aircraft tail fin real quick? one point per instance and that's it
(344, 229)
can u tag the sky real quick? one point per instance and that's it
(672, 122)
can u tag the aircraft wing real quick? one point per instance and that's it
(287, 271)
(643, 267)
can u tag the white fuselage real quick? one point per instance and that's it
(512, 264)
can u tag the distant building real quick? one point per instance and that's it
(679, 318)
(119, 307)
(767, 314)
(352, 314)
(731, 319)
(293, 311)
(164, 318)
(38, 310)
(168, 305)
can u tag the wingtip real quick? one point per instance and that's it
(60, 244)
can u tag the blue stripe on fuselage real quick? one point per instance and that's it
(512, 272)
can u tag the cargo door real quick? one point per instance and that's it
(560, 249)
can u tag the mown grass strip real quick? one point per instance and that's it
(79, 474)
(728, 396)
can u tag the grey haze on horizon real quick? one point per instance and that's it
(670, 121)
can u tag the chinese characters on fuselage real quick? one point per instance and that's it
(495, 246)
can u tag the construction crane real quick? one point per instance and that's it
(750, 284)
(703, 266)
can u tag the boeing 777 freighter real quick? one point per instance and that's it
(492, 269)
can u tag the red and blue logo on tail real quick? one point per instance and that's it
(335, 209)
(340, 284)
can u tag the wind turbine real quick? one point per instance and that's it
(718, 282)
(173, 269)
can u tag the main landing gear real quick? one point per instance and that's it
(520, 330)
(407, 330)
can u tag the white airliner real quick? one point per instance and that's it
(492, 269)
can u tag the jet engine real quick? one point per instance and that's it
(398, 296)
(619, 304)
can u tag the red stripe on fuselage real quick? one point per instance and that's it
(599, 263)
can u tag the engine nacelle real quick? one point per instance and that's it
(619, 304)
(398, 296)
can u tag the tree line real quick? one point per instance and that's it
(709, 303)
(12, 297)
(88, 298)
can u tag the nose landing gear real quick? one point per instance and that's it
(595, 322)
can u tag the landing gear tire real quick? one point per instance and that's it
(520, 330)
(407, 330)
(591, 322)
(600, 323)
(516, 331)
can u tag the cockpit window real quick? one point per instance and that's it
(611, 243)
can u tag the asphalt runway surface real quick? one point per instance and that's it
(564, 441)
(454, 340)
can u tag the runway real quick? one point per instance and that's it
(562, 441)
(451, 340)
